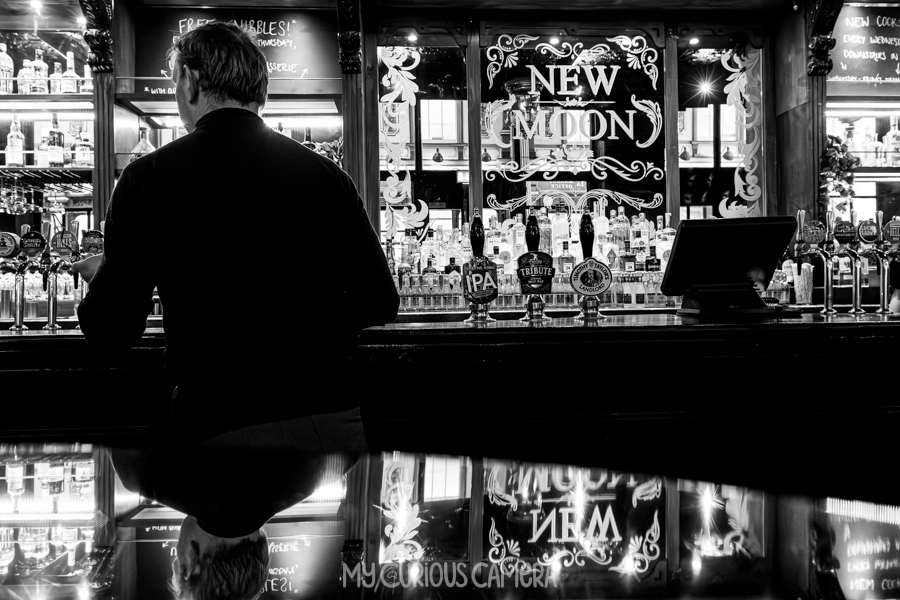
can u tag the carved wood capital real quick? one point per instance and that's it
(349, 36)
(823, 15)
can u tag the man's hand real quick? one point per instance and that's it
(87, 268)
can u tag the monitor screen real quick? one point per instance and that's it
(712, 254)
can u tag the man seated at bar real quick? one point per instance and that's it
(262, 304)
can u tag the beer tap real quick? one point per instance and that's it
(48, 268)
(24, 266)
(877, 252)
(846, 235)
(479, 276)
(534, 304)
(813, 235)
(590, 305)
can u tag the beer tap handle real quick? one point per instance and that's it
(476, 235)
(829, 226)
(25, 229)
(586, 235)
(532, 234)
(879, 219)
(801, 223)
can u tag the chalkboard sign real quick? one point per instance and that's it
(869, 555)
(867, 52)
(301, 46)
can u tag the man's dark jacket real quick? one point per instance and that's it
(266, 265)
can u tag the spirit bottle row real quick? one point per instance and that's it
(53, 151)
(34, 76)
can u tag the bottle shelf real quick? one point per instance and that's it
(50, 174)
(53, 98)
(145, 104)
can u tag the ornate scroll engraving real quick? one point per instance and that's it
(748, 109)
(505, 54)
(403, 515)
(642, 550)
(651, 109)
(505, 553)
(494, 488)
(639, 55)
(98, 34)
(576, 207)
(551, 167)
(647, 491)
(395, 107)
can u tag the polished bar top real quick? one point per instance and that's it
(509, 321)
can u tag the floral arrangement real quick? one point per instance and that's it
(333, 150)
(836, 176)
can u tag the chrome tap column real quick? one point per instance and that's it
(814, 233)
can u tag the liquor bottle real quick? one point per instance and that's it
(143, 147)
(465, 243)
(307, 139)
(628, 259)
(83, 479)
(440, 246)
(452, 266)
(42, 157)
(87, 86)
(69, 84)
(39, 85)
(56, 143)
(566, 261)
(84, 151)
(492, 235)
(23, 79)
(517, 237)
(15, 481)
(653, 262)
(664, 243)
(498, 261)
(56, 79)
(454, 250)
(506, 255)
(7, 71)
(561, 232)
(70, 154)
(429, 253)
(640, 242)
(15, 145)
(601, 228)
(405, 267)
(546, 228)
(611, 248)
(415, 251)
(389, 254)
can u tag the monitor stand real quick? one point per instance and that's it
(731, 302)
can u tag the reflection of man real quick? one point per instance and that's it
(230, 486)
(232, 174)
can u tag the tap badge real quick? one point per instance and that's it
(591, 277)
(33, 244)
(844, 232)
(892, 232)
(813, 232)
(92, 242)
(868, 232)
(535, 273)
(480, 280)
(64, 243)
(7, 245)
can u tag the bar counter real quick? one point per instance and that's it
(645, 391)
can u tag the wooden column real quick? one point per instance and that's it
(371, 169)
(473, 93)
(670, 124)
(350, 41)
(98, 36)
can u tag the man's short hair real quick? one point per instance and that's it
(236, 572)
(231, 65)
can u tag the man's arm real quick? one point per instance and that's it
(120, 295)
(372, 280)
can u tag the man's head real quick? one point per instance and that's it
(214, 66)
(207, 567)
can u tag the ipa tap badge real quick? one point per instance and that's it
(591, 278)
(480, 280)
(536, 272)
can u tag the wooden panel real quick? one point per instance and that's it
(473, 86)
(789, 58)
(104, 145)
(123, 53)
(371, 172)
(670, 123)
